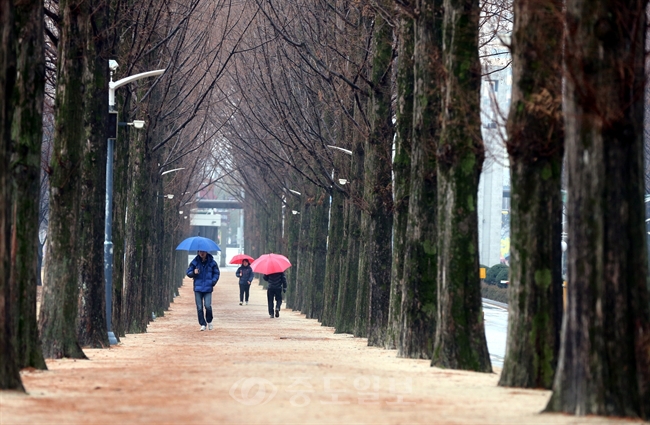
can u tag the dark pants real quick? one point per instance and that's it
(201, 299)
(244, 290)
(274, 293)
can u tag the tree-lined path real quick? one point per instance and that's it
(252, 369)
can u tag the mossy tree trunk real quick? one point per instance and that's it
(9, 365)
(58, 314)
(91, 330)
(377, 194)
(402, 174)
(536, 147)
(419, 279)
(604, 364)
(460, 336)
(26, 170)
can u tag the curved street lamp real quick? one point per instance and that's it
(108, 226)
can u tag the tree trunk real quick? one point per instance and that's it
(121, 190)
(304, 258)
(536, 147)
(377, 195)
(292, 231)
(460, 337)
(58, 314)
(349, 282)
(335, 243)
(346, 301)
(250, 231)
(274, 225)
(92, 300)
(28, 136)
(402, 174)
(9, 364)
(138, 217)
(156, 247)
(604, 364)
(419, 279)
(318, 248)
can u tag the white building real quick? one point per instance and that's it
(493, 209)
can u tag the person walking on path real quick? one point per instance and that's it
(277, 285)
(245, 275)
(205, 272)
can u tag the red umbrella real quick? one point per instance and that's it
(270, 263)
(237, 259)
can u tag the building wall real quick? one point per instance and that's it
(495, 100)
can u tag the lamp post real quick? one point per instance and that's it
(171, 171)
(338, 148)
(108, 227)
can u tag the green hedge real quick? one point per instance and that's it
(503, 275)
(494, 274)
(492, 292)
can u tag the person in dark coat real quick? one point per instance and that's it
(205, 272)
(277, 286)
(245, 275)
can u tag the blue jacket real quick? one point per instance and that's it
(208, 273)
(245, 274)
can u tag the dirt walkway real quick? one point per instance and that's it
(255, 370)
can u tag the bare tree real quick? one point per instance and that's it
(26, 167)
(604, 367)
(9, 365)
(419, 308)
(536, 147)
(460, 336)
(57, 321)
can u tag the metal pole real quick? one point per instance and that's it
(108, 242)
(108, 229)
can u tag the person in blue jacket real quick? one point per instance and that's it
(245, 275)
(277, 286)
(205, 272)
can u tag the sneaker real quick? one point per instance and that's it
(277, 313)
(210, 327)
(202, 327)
(246, 302)
(271, 316)
(240, 303)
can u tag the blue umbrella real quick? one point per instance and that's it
(198, 243)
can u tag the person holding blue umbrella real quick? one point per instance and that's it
(205, 272)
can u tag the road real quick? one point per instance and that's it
(496, 330)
